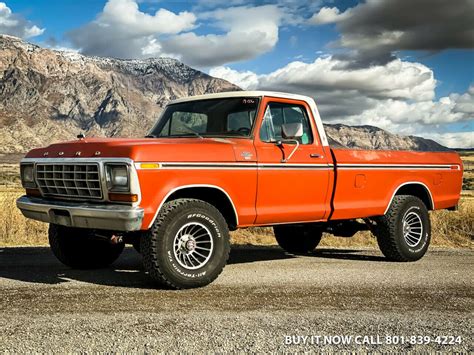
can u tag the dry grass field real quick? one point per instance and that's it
(450, 229)
(9, 175)
(468, 177)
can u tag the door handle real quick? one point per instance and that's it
(315, 155)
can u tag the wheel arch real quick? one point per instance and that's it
(414, 188)
(215, 195)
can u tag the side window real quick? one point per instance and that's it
(277, 114)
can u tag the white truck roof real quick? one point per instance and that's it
(310, 101)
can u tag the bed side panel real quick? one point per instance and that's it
(367, 180)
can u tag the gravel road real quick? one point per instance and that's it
(262, 299)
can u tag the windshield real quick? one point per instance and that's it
(231, 117)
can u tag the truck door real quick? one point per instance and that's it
(294, 190)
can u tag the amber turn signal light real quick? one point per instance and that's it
(123, 197)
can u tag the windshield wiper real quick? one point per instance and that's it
(196, 133)
(189, 129)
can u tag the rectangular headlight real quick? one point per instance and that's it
(27, 173)
(117, 177)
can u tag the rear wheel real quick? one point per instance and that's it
(298, 239)
(81, 249)
(404, 233)
(188, 244)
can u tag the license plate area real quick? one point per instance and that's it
(61, 217)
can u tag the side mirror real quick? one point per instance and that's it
(291, 130)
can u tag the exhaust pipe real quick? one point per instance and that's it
(111, 238)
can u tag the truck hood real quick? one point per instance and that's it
(144, 149)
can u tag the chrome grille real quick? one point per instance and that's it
(70, 180)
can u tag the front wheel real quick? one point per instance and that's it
(404, 233)
(80, 248)
(298, 239)
(188, 244)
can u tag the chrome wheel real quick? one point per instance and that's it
(193, 246)
(412, 228)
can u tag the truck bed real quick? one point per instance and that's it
(366, 180)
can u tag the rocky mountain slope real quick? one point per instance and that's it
(48, 95)
(370, 137)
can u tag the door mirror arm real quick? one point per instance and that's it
(279, 144)
(290, 132)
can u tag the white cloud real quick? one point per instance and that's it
(125, 14)
(16, 25)
(397, 79)
(453, 139)
(250, 31)
(392, 113)
(327, 15)
(464, 103)
(398, 96)
(121, 30)
(246, 79)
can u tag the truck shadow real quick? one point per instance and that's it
(347, 254)
(38, 265)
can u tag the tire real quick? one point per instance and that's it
(78, 248)
(174, 248)
(298, 239)
(396, 241)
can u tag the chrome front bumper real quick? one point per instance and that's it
(82, 215)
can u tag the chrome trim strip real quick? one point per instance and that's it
(82, 215)
(410, 183)
(71, 160)
(253, 165)
(229, 166)
(295, 166)
(397, 166)
(191, 186)
(219, 166)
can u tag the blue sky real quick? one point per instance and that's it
(410, 74)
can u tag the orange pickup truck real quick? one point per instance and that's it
(219, 162)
